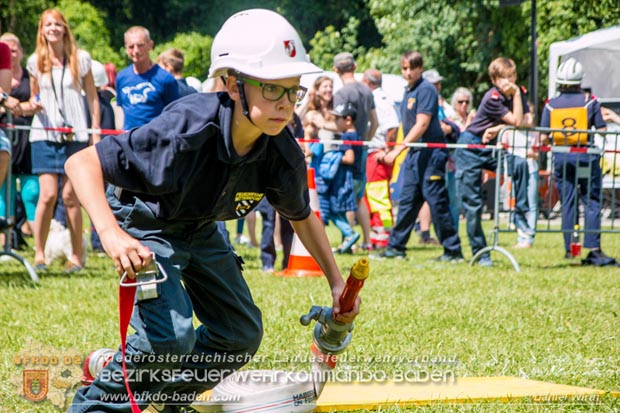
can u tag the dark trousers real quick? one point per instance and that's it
(205, 280)
(469, 166)
(267, 245)
(423, 175)
(574, 173)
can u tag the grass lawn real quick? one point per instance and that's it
(553, 321)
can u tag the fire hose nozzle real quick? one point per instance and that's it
(313, 314)
(329, 336)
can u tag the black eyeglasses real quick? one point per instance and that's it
(274, 93)
(460, 102)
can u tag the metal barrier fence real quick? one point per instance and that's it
(8, 196)
(586, 176)
(512, 144)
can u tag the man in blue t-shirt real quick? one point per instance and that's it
(143, 88)
(423, 171)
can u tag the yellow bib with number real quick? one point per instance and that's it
(567, 119)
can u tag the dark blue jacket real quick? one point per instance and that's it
(183, 165)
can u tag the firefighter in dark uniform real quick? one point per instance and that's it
(207, 158)
(423, 170)
(577, 175)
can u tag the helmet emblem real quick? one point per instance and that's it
(289, 47)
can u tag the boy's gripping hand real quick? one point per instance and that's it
(344, 318)
(128, 254)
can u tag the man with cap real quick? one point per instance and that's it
(573, 109)
(360, 96)
(107, 112)
(445, 109)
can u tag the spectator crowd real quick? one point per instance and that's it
(60, 92)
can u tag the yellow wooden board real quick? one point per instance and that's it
(372, 396)
(377, 395)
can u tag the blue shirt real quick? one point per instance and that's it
(493, 107)
(421, 98)
(184, 167)
(574, 99)
(143, 96)
(359, 165)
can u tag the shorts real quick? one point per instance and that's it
(359, 188)
(49, 157)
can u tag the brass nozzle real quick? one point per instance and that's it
(361, 269)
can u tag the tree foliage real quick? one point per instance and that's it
(326, 44)
(460, 38)
(21, 17)
(457, 37)
(88, 26)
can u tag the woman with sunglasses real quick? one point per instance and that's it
(462, 102)
(207, 157)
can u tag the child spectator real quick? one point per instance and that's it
(217, 156)
(334, 165)
(172, 61)
(378, 172)
(504, 104)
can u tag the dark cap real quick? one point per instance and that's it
(344, 61)
(344, 110)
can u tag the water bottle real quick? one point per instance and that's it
(575, 243)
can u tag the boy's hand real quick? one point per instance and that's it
(489, 135)
(507, 87)
(128, 254)
(516, 90)
(344, 318)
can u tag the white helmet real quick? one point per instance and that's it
(259, 43)
(569, 73)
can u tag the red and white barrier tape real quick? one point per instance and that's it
(434, 145)
(427, 145)
(63, 130)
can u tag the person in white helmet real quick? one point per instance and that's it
(208, 157)
(572, 109)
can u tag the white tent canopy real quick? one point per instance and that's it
(599, 53)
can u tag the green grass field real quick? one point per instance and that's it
(553, 321)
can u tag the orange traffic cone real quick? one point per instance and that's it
(300, 262)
